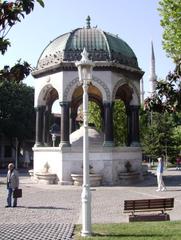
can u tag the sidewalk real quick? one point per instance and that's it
(56, 208)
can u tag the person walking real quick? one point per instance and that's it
(12, 184)
(178, 161)
(160, 167)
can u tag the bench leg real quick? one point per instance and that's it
(149, 217)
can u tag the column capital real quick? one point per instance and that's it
(64, 103)
(40, 108)
(105, 103)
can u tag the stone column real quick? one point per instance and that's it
(128, 112)
(134, 126)
(46, 116)
(108, 125)
(64, 132)
(39, 126)
(73, 122)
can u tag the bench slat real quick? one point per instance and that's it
(159, 204)
(149, 206)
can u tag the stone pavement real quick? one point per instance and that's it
(50, 211)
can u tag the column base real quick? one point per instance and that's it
(47, 145)
(65, 182)
(108, 144)
(38, 144)
(64, 144)
(86, 234)
(135, 144)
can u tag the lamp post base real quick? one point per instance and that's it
(86, 234)
(86, 211)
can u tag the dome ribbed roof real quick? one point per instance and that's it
(100, 45)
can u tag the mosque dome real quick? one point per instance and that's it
(101, 46)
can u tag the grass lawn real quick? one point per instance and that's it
(129, 231)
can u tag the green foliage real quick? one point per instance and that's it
(170, 12)
(168, 95)
(17, 73)
(41, 3)
(119, 123)
(17, 117)
(11, 13)
(158, 134)
(119, 120)
(4, 43)
(16, 99)
(177, 138)
(95, 115)
(144, 122)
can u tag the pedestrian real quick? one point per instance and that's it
(160, 167)
(26, 159)
(178, 161)
(12, 184)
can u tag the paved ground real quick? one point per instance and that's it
(50, 211)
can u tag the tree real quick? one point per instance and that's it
(16, 99)
(159, 134)
(177, 138)
(119, 120)
(11, 13)
(95, 115)
(16, 73)
(120, 123)
(17, 116)
(168, 95)
(170, 12)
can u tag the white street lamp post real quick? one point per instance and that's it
(53, 139)
(85, 77)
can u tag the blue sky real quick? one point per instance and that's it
(135, 21)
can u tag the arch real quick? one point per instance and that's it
(94, 95)
(135, 100)
(47, 95)
(106, 95)
(67, 94)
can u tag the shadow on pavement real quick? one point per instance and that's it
(44, 207)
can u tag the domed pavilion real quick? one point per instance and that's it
(116, 76)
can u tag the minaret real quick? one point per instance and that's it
(152, 77)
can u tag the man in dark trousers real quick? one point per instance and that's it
(12, 184)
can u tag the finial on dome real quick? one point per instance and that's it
(88, 21)
(85, 55)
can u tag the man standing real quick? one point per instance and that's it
(12, 184)
(161, 185)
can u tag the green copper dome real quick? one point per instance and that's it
(100, 45)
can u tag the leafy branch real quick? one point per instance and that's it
(10, 14)
(168, 94)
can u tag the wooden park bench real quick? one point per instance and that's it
(149, 205)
